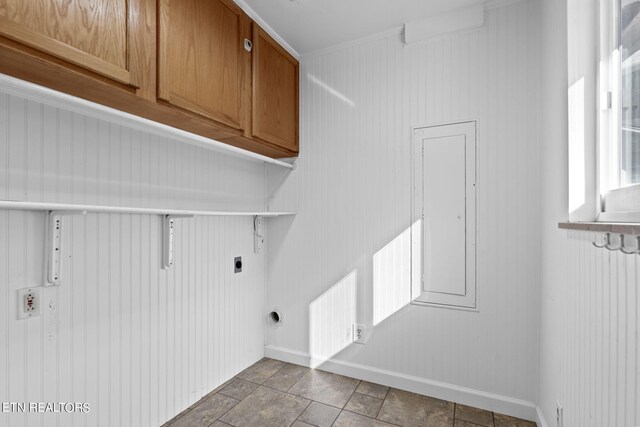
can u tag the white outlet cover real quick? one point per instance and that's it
(359, 333)
(29, 302)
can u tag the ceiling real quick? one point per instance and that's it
(309, 25)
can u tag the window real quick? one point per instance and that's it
(620, 142)
(630, 92)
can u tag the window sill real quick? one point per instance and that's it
(604, 227)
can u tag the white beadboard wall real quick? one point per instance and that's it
(600, 357)
(136, 342)
(590, 298)
(351, 189)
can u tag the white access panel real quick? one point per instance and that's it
(444, 209)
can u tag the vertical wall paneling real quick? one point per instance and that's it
(600, 357)
(136, 342)
(589, 323)
(352, 192)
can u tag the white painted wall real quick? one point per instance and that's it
(138, 343)
(589, 347)
(352, 192)
(108, 341)
(554, 206)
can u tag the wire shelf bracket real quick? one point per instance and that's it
(167, 239)
(54, 245)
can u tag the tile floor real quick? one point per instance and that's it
(272, 393)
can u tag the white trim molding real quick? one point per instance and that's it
(477, 398)
(254, 15)
(393, 32)
(465, 19)
(540, 420)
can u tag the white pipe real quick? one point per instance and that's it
(37, 206)
(34, 92)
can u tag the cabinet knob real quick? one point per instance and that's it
(248, 45)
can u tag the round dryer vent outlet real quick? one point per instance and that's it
(275, 318)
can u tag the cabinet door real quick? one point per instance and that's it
(203, 65)
(275, 92)
(92, 34)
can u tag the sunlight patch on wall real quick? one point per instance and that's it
(313, 79)
(577, 178)
(331, 319)
(416, 260)
(391, 277)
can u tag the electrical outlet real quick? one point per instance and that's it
(237, 264)
(29, 302)
(359, 332)
(559, 414)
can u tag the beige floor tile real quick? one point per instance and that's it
(320, 415)
(181, 414)
(294, 370)
(314, 399)
(507, 421)
(474, 415)
(261, 371)
(266, 407)
(207, 412)
(371, 389)
(349, 419)
(217, 389)
(239, 389)
(331, 389)
(461, 423)
(410, 409)
(364, 405)
(286, 377)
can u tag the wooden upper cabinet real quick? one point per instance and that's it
(203, 66)
(92, 34)
(198, 65)
(275, 92)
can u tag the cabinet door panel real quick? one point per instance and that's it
(92, 34)
(202, 60)
(275, 92)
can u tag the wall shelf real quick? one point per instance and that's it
(34, 92)
(57, 211)
(605, 227)
(37, 206)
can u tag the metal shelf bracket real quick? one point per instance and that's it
(167, 239)
(54, 245)
(258, 237)
(57, 211)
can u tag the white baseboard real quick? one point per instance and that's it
(467, 396)
(540, 420)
